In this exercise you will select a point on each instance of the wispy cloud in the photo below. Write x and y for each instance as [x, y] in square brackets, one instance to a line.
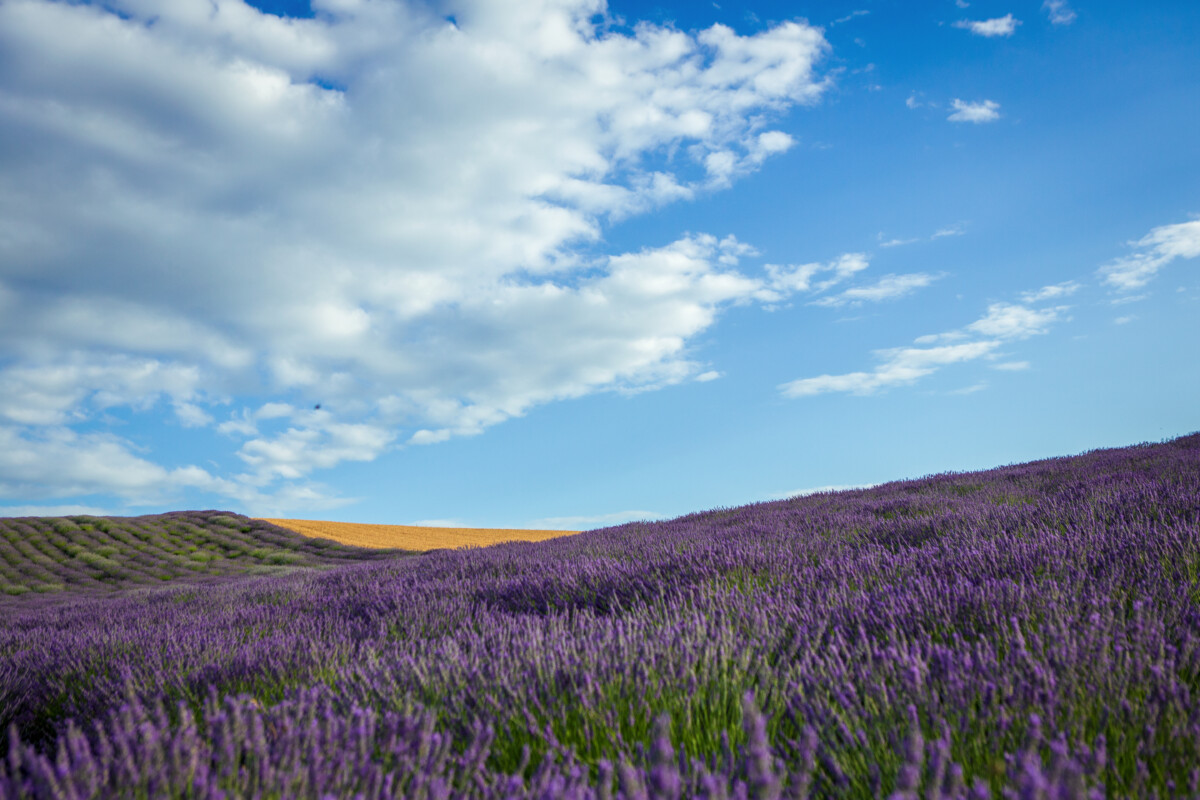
[850, 16]
[889, 287]
[1158, 248]
[901, 366]
[1065, 289]
[983, 111]
[1059, 12]
[1000, 26]
[952, 230]
[816, 276]
[941, 233]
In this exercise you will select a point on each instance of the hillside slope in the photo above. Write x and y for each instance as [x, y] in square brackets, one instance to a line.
[50, 555]
[1029, 631]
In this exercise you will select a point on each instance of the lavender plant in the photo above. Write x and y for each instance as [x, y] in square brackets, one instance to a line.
[1031, 631]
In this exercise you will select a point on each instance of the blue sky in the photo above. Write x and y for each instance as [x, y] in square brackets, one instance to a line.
[564, 264]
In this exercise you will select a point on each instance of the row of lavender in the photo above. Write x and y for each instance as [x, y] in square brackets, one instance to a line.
[50, 555]
[1033, 631]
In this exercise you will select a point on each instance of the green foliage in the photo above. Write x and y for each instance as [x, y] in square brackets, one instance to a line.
[57, 554]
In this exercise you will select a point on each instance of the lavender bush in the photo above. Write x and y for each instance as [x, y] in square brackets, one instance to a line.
[1031, 631]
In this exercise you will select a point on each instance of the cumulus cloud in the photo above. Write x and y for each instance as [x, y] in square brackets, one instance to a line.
[1059, 12]
[1012, 321]
[984, 111]
[57, 461]
[1158, 248]
[902, 366]
[376, 209]
[1000, 26]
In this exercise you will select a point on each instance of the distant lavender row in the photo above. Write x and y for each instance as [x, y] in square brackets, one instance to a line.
[1032, 631]
[48, 555]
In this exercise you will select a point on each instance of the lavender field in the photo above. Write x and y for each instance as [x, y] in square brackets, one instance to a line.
[1030, 631]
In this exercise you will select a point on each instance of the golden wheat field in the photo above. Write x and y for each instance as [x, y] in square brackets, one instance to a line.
[410, 537]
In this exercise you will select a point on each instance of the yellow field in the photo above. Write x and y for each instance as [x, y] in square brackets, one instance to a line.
[410, 537]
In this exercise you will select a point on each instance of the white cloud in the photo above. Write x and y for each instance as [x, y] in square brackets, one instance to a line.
[1065, 289]
[1125, 320]
[984, 111]
[1012, 321]
[1158, 248]
[951, 230]
[1012, 366]
[193, 214]
[1059, 12]
[850, 16]
[191, 415]
[783, 280]
[958, 229]
[319, 444]
[55, 462]
[912, 102]
[55, 393]
[71, 463]
[1000, 26]
[889, 287]
[935, 338]
[711, 375]
[902, 366]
